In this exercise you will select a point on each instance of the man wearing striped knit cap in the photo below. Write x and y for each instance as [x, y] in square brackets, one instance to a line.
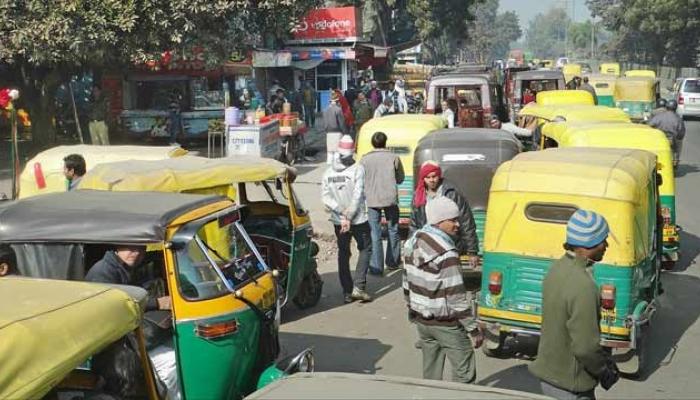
[570, 361]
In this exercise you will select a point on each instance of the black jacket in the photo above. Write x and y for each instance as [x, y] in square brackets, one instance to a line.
[110, 269]
[467, 242]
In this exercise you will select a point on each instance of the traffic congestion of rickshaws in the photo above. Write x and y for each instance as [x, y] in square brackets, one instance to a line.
[228, 243]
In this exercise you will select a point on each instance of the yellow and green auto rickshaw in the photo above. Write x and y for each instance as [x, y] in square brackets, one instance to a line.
[534, 116]
[570, 71]
[645, 73]
[44, 173]
[276, 221]
[403, 132]
[562, 97]
[224, 319]
[629, 136]
[49, 328]
[612, 68]
[636, 96]
[535, 194]
[604, 85]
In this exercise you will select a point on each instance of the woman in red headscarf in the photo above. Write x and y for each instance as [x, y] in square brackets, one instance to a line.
[430, 185]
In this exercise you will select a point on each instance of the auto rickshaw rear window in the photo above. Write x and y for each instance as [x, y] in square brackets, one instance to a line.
[400, 149]
[691, 86]
[602, 85]
[551, 213]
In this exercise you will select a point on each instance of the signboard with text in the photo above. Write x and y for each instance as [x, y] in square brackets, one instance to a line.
[338, 24]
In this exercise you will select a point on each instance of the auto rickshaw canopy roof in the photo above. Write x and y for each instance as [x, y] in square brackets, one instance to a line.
[561, 97]
[635, 89]
[575, 112]
[91, 216]
[182, 174]
[399, 129]
[613, 174]
[641, 72]
[50, 327]
[540, 74]
[51, 163]
[611, 68]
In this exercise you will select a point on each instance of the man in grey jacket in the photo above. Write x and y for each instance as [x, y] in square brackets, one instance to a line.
[334, 124]
[383, 171]
[673, 126]
[342, 192]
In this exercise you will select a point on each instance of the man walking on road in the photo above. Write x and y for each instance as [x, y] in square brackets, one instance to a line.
[437, 298]
[673, 126]
[590, 89]
[342, 192]
[335, 126]
[383, 171]
[570, 361]
[99, 133]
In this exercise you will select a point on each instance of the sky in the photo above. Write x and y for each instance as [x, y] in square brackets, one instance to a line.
[527, 9]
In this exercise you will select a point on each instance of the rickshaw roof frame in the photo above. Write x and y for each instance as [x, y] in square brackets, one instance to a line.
[603, 173]
[93, 216]
[575, 112]
[183, 174]
[399, 126]
[468, 135]
[561, 97]
[56, 318]
[567, 133]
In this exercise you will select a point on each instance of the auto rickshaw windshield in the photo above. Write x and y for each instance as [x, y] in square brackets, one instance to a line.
[219, 258]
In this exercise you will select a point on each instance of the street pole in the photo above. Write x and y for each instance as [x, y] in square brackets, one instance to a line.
[14, 152]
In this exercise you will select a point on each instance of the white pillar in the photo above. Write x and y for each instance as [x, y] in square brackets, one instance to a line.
[344, 74]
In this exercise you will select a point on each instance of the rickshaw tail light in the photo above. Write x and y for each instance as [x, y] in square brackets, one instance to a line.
[215, 330]
[495, 282]
[607, 297]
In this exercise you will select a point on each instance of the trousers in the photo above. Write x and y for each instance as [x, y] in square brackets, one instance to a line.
[439, 342]
[99, 133]
[360, 233]
[393, 249]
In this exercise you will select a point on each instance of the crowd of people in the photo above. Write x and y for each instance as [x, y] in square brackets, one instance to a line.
[358, 193]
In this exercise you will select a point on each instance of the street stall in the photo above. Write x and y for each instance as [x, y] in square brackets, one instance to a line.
[183, 81]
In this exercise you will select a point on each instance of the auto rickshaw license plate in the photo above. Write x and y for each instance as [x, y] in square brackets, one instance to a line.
[669, 231]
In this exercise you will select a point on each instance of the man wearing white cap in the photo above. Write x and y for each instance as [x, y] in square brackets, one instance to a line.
[570, 361]
[342, 192]
[437, 298]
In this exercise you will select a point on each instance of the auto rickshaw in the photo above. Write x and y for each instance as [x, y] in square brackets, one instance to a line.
[468, 158]
[534, 116]
[403, 132]
[535, 194]
[44, 173]
[225, 313]
[561, 97]
[528, 84]
[610, 69]
[345, 385]
[547, 63]
[570, 71]
[277, 223]
[604, 86]
[636, 96]
[630, 136]
[645, 73]
[53, 326]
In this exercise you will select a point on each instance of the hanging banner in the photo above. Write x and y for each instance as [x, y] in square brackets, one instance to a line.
[338, 24]
[271, 59]
[341, 53]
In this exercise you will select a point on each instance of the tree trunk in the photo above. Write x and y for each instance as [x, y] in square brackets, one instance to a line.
[38, 91]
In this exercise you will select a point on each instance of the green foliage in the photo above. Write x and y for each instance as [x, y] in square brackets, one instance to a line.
[491, 33]
[441, 25]
[546, 34]
[651, 31]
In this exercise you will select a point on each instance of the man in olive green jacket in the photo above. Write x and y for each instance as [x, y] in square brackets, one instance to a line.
[570, 360]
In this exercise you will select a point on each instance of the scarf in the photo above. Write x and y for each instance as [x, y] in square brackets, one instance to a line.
[426, 169]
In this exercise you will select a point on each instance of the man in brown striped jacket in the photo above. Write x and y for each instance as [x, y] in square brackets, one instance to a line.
[436, 296]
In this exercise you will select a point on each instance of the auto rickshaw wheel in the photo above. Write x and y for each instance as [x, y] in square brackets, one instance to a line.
[494, 349]
[632, 365]
[309, 290]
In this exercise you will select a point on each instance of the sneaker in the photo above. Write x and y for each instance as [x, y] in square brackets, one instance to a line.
[360, 295]
[347, 298]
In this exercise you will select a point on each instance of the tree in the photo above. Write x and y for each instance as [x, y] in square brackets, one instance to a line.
[651, 31]
[44, 43]
[491, 33]
[546, 34]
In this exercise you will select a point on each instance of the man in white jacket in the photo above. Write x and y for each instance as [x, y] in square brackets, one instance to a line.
[342, 192]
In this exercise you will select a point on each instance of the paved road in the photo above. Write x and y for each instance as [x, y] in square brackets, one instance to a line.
[376, 337]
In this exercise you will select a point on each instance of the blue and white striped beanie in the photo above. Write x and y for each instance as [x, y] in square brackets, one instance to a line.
[586, 229]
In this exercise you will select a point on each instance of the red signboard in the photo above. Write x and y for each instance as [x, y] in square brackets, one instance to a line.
[329, 25]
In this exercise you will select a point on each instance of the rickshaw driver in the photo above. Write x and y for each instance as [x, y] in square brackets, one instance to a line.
[673, 126]
[431, 186]
[115, 267]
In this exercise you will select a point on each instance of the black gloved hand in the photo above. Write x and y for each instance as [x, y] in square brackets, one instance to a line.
[610, 375]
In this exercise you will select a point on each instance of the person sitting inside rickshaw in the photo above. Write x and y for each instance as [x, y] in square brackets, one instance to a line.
[530, 94]
[8, 261]
[432, 185]
[448, 114]
[118, 267]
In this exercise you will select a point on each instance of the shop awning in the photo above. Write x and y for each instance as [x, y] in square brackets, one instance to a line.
[271, 59]
[306, 64]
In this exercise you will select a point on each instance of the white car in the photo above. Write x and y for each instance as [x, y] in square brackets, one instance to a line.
[686, 91]
[562, 61]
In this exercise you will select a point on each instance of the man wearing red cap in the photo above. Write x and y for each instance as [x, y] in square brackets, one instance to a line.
[431, 186]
